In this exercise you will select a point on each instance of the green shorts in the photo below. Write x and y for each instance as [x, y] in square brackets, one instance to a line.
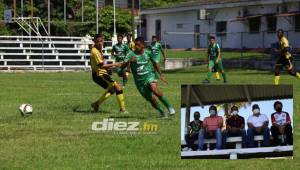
[143, 87]
[218, 66]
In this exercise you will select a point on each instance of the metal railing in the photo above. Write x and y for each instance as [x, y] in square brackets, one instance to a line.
[46, 53]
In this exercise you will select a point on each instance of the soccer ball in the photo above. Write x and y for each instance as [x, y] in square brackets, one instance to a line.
[25, 109]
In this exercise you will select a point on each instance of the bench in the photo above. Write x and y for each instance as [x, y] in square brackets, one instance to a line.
[237, 140]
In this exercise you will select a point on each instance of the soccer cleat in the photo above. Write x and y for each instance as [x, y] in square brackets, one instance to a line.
[172, 111]
[206, 81]
[95, 107]
[124, 112]
[163, 116]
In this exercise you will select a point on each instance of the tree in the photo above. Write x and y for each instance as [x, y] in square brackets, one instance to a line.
[160, 3]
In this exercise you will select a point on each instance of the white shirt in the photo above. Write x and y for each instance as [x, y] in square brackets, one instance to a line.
[257, 121]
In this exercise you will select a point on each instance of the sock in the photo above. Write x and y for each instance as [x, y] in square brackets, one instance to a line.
[224, 76]
[209, 74]
[165, 101]
[125, 80]
[158, 108]
[157, 75]
[217, 76]
[298, 75]
[276, 80]
[103, 97]
[121, 100]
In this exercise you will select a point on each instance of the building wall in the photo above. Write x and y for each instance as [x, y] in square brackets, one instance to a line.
[184, 22]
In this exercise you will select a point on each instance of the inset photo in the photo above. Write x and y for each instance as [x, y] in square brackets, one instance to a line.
[236, 121]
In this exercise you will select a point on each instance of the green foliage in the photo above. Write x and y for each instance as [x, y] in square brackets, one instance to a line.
[74, 25]
[159, 3]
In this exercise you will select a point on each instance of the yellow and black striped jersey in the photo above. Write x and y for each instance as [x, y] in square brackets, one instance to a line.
[284, 43]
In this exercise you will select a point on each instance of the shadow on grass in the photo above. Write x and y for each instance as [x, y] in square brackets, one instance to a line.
[77, 109]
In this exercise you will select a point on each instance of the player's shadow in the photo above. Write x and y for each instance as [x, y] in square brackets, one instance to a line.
[77, 109]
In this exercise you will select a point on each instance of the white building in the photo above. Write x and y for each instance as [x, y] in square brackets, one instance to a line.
[236, 23]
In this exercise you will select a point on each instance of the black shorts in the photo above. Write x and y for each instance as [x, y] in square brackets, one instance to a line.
[283, 62]
[105, 81]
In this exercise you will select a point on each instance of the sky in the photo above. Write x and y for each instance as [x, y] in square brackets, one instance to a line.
[266, 107]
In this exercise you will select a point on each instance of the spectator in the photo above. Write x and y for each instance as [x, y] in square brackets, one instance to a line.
[281, 126]
[211, 129]
[257, 125]
[193, 131]
[235, 126]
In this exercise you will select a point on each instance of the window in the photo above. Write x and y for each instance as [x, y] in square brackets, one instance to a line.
[272, 23]
[297, 23]
[254, 25]
[221, 27]
[108, 2]
[179, 26]
[158, 28]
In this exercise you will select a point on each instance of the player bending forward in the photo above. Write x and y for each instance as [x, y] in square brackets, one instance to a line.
[140, 61]
[102, 78]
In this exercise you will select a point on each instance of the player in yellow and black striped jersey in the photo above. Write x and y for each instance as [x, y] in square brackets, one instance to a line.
[284, 57]
[101, 76]
[129, 42]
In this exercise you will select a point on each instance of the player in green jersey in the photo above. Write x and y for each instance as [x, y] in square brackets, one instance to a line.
[214, 59]
[141, 61]
[156, 50]
[119, 51]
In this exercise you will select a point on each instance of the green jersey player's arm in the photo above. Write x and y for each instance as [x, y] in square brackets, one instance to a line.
[157, 68]
[219, 53]
[129, 58]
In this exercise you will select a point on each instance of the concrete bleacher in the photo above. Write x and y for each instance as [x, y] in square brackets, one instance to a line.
[47, 53]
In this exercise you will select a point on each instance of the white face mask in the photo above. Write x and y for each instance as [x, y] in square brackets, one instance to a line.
[212, 112]
[235, 112]
[256, 111]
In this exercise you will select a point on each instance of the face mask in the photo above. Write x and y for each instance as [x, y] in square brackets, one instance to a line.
[278, 109]
[197, 117]
[235, 112]
[256, 111]
[212, 112]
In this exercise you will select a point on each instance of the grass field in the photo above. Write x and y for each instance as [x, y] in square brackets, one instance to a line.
[225, 55]
[58, 137]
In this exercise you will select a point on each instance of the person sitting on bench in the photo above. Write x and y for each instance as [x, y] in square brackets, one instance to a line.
[193, 131]
[235, 126]
[258, 125]
[211, 129]
[281, 126]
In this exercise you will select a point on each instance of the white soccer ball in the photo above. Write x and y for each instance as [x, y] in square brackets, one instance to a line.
[25, 109]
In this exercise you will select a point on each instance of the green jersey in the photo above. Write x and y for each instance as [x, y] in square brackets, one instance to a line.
[141, 69]
[156, 49]
[213, 51]
[120, 52]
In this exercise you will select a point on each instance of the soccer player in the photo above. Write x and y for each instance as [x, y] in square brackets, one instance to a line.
[130, 43]
[119, 51]
[284, 58]
[214, 59]
[102, 78]
[156, 49]
[140, 61]
[281, 126]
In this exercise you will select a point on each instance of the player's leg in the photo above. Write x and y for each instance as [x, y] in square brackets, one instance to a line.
[278, 66]
[221, 68]
[119, 92]
[211, 64]
[109, 91]
[291, 69]
[216, 71]
[154, 88]
[148, 95]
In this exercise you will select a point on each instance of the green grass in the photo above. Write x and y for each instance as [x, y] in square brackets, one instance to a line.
[56, 137]
[225, 55]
